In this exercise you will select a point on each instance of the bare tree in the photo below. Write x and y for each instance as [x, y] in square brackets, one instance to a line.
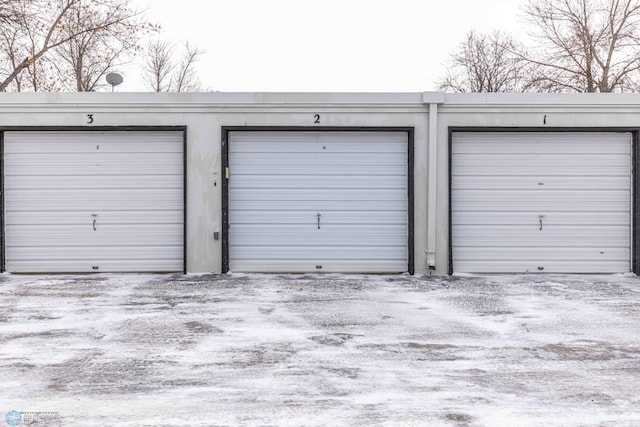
[95, 50]
[158, 66]
[163, 74]
[8, 13]
[88, 34]
[18, 34]
[485, 63]
[10, 40]
[585, 45]
[185, 79]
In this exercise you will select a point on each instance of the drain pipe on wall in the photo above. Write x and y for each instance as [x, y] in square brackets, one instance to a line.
[433, 99]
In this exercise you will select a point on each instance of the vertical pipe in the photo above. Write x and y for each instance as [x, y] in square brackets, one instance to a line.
[432, 99]
[432, 187]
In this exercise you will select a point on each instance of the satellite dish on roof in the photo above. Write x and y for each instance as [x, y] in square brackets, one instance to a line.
[114, 79]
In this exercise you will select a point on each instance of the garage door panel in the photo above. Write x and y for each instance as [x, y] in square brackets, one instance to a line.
[312, 147]
[171, 253]
[295, 195]
[327, 235]
[97, 200]
[541, 208]
[549, 236]
[77, 200]
[564, 266]
[543, 161]
[318, 181]
[398, 217]
[95, 159]
[536, 143]
[104, 235]
[123, 182]
[537, 254]
[315, 205]
[504, 185]
[90, 142]
[81, 171]
[145, 160]
[326, 159]
[533, 170]
[555, 200]
[314, 252]
[280, 181]
[305, 266]
[487, 218]
[542, 183]
[55, 218]
[318, 170]
[296, 142]
[91, 146]
[138, 265]
[517, 147]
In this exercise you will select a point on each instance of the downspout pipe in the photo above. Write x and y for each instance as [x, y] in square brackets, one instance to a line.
[433, 100]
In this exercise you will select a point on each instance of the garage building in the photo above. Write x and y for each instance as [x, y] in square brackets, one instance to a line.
[424, 183]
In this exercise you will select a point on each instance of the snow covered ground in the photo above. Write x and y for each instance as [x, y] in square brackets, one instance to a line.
[331, 350]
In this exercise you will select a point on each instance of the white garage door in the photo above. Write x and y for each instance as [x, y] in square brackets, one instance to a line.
[93, 201]
[541, 202]
[318, 201]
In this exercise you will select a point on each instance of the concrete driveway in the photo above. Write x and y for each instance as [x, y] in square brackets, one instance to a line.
[331, 350]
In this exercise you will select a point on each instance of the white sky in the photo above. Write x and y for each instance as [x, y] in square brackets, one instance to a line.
[323, 45]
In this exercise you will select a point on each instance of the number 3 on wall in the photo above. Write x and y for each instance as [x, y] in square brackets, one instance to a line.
[89, 118]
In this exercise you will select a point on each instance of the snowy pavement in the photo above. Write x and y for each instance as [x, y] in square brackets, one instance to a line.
[273, 350]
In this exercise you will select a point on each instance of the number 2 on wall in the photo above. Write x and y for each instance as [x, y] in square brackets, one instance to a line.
[317, 119]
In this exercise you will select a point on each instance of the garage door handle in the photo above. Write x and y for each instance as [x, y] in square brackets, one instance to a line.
[318, 220]
[94, 225]
[540, 218]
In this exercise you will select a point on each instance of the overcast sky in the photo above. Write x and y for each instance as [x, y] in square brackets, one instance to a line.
[323, 45]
